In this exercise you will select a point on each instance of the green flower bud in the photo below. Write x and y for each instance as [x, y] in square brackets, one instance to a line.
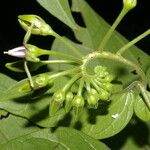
[54, 107]
[57, 102]
[93, 91]
[78, 101]
[103, 95]
[40, 27]
[68, 101]
[129, 4]
[41, 81]
[59, 96]
[92, 100]
[99, 69]
[107, 86]
[33, 52]
[109, 78]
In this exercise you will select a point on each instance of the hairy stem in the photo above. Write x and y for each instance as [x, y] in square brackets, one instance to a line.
[61, 55]
[115, 57]
[58, 62]
[66, 72]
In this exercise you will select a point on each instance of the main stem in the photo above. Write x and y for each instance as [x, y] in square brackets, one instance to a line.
[66, 72]
[115, 57]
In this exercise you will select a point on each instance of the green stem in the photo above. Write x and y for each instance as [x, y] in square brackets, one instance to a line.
[145, 95]
[88, 87]
[70, 83]
[127, 46]
[67, 44]
[61, 55]
[28, 34]
[58, 62]
[115, 57]
[112, 28]
[28, 74]
[66, 72]
[95, 85]
[81, 85]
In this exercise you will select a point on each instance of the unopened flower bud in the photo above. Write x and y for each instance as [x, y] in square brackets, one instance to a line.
[17, 52]
[40, 27]
[78, 101]
[32, 53]
[129, 4]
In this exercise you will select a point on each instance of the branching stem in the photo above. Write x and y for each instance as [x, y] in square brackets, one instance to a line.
[115, 57]
[66, 72]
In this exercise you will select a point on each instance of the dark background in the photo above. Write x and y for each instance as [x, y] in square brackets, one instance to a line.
[11, 34]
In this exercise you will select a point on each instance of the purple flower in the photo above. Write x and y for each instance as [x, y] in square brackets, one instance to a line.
[19, 52]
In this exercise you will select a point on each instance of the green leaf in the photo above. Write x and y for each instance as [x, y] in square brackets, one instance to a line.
[141, 109]
[16, 135]
[5, 82]
[31, 105]
[108, 119]
[60, 9]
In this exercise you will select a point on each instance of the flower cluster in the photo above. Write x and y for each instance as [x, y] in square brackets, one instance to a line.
[90, 88]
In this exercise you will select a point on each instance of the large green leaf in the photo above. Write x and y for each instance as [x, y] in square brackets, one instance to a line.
[5, 82]
[108, 119]
[16, 135]
[60, 9]
[29, 105]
